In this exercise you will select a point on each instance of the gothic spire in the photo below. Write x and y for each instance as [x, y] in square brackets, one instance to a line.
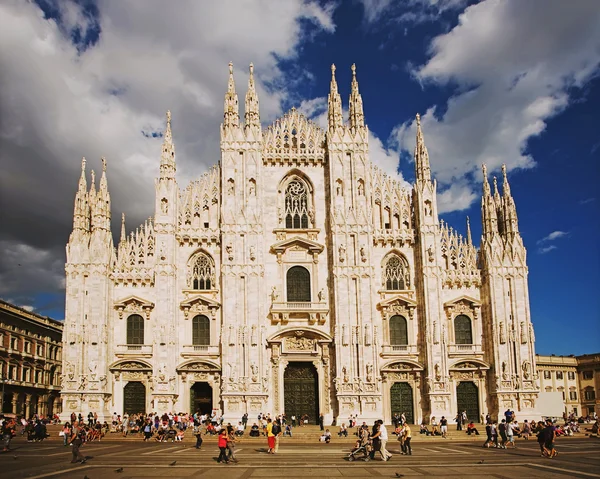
[357, 117]
[100, 201]
[252, 111]
[422, 168]
[486, 184]
[81, 212]
[123, 233]
[489, 217]
[334, 103]
[167, 159]
[508, 204]
[232, 112]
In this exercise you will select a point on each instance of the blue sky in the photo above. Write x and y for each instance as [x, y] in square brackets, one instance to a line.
[495, 81]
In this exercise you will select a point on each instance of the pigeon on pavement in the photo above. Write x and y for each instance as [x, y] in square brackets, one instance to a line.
[173, 463]
[119, 470]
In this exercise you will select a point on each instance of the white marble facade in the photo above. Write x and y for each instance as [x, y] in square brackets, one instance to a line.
[295, 248]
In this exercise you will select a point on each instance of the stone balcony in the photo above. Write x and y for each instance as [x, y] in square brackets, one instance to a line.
[313, 313]
[398, 350]
[197, 350]
[133, 350]
[464, 349]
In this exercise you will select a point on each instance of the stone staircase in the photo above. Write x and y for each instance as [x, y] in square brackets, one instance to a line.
[304, 434]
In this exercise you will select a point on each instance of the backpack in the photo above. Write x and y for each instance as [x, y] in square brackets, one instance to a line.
[275, 429]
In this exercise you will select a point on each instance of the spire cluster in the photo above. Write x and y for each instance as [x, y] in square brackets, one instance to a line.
[498, 211]
[357, 117]
[252, 113]
[231, 117]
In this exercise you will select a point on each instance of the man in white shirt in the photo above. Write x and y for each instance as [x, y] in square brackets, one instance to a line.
[383, 436]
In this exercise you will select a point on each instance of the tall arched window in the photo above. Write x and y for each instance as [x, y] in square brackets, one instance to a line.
[298, 284]
[201, 272]
[296, 205]
[462, 330]
[200, 331]
[398, 331]
[396, 274]
[135, 329]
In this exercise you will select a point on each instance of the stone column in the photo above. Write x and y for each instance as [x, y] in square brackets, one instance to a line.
[14, 403]
[27, 406]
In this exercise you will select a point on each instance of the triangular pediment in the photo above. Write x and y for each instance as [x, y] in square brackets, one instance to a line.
[460, 299]
[199, 299]
[399, 299]
[144, 303]
[297, 242]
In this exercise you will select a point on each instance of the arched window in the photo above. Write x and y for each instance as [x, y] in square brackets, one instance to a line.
[398, 331]
[462, 330]
[200, 331]
[296, 205]
[298, 284]
[135, 329]
[201, 272]
[396, 274]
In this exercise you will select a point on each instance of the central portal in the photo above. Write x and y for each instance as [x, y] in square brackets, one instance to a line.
[300, 391]
[201, 398]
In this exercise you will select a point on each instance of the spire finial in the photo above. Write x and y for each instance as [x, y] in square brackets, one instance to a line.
[103, 160]
[486, 185]
[252, 114]
[123, 234]
[167, 160]
[93, 175]
[231, 115]
[422, 167]
[496, 187]
[334, 103]
[83, 164]
[356, 117]
[470, 242]
[505, 184]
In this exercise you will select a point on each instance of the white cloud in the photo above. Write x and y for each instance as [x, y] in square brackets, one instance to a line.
[408, 11]
[513, 63]
[553, 236]
[60, 103]
[547, 249]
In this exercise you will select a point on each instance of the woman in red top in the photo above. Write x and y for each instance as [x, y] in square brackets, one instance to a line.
[223, 446]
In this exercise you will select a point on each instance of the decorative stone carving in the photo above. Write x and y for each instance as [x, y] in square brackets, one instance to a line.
[231, 336]
[438, 375]
[523, 333]
[344, 335]
[369, 369]
[504, 371]
[342, 253]
[526, 370]
[274, 294]
[345, 374]
[367, 335]
[229, 251]
[253, 336]
[299, 343]
[252, 253]
[363, 254]
[321, 296]
[502, 334]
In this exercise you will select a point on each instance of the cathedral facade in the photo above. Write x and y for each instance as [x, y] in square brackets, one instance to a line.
[296, 277]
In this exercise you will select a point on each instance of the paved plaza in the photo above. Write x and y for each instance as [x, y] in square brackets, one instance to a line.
[578, 457]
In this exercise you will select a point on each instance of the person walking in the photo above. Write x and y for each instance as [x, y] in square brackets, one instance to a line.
[444, 426]
[277, 431]
[458, 420]
[231, 440]
[270, 436]
[407, 435]
[76, 443]
[222, 443]
[8, 429]
[321, 421]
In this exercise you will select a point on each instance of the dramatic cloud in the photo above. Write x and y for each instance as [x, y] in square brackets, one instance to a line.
[64, 97]
[512, 64]
[408, 12]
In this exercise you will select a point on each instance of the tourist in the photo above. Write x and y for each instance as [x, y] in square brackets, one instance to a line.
[240, 429]
[383, 437]
[255, 430]
[444, 426]
[293, 420]
[270, 436]
[406, 434]
[325, 437]
[222, 443]
[343, 431]
[548, 436]
[288, 430]
[277, 431]
[8, 430]
[231, 440]
[471, 429]
[321, 421]
[66, 434]
[526, 431]
[376, 439]
[488, 432]
[76, 442]
[458, 420]
[502, 432]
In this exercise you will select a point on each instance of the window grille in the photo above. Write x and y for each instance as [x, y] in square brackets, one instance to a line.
[398, 331]
[462, 330]
[200, 331]
[296, 206]
[135, 329]
[298, 284]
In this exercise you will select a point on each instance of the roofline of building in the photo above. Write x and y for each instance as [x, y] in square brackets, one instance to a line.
[34, 317]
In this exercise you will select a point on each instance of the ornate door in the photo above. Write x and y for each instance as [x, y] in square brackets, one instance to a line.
[134, 398]
[402, 401]
[300, 391]
[201, 398]
[467, 398]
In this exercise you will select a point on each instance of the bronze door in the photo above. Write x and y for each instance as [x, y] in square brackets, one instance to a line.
[402, 401]
[134, 401]
[201, 398]
[467, 398]
[300, 391]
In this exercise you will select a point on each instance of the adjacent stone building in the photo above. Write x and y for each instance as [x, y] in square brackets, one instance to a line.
[295, 276]
[30, 362]
[589, 383]
[559, 374]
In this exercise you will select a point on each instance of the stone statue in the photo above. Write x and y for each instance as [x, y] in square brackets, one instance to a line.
[363, 254]
[523, 333]
[344, 335]
[502, 333]
[252, 253]
[274, 294]
[342, 252]
[70, 370]
[229, 250]
[345, 374]
[367, 335]
[504, 372]
[232, 371]
[526, 369]
[369, 373]
[93, 366]
[253, 339]
[321, 296]
[231, 336]
[436, 368]
[254, 370]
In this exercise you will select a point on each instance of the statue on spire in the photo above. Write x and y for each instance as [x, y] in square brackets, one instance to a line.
[334, 104]
[422, 168]
[357, 117]
[231, 109]
[252, 114]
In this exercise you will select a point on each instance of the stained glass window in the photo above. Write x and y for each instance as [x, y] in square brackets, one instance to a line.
[135, 329]
[396, 274]
[201, 273]
[200, 331]
[296, 205]
[298, 284]
[398, 331]
[462, 330]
